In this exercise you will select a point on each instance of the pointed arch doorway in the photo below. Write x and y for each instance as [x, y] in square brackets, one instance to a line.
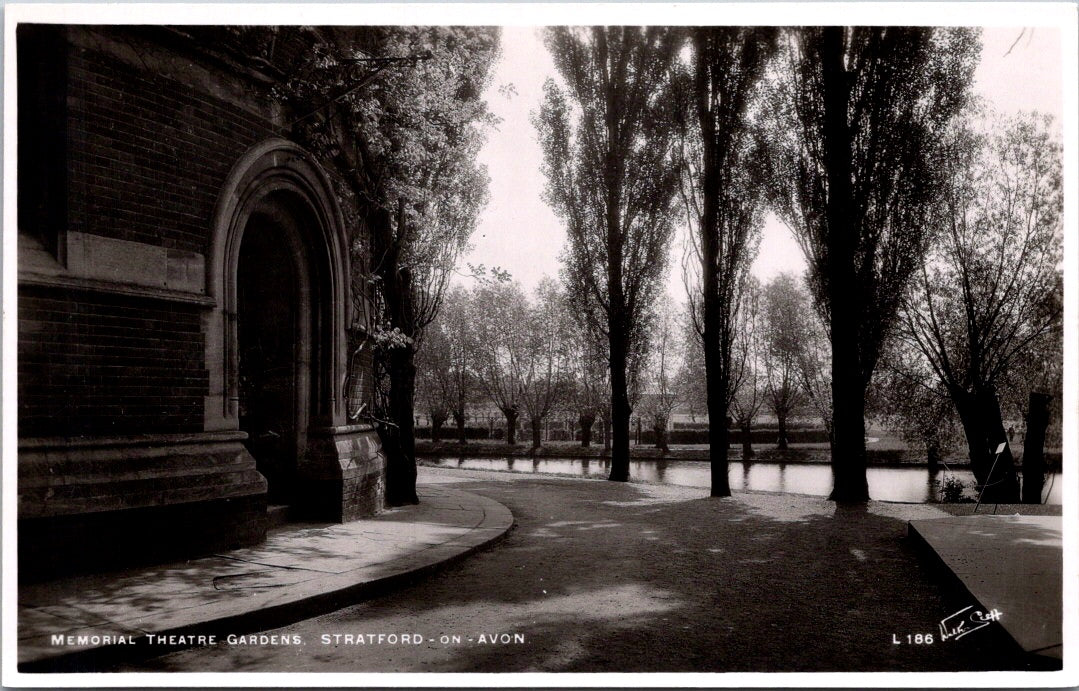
[277, 339]
[277, 310]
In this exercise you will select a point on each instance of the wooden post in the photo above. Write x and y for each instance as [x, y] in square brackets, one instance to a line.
[1034, 447]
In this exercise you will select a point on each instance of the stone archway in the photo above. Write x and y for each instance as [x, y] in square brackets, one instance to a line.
[331, 469]
[277, 179]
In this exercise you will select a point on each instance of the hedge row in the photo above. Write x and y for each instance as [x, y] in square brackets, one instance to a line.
[450, 432]
[757, 436]
[678, 436]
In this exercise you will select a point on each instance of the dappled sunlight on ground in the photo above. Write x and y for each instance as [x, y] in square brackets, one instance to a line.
[609, 577]
[784, 507]
[905, 512]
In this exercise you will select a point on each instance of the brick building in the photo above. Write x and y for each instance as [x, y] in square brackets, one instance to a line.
[183, 300]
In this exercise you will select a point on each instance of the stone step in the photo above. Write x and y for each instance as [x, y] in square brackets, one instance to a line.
[277, 515]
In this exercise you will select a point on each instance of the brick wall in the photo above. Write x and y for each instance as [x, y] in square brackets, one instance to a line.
[104, 365]
[146, 159]
[148, 154]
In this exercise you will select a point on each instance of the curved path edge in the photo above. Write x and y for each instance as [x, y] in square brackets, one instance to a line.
[446, 526]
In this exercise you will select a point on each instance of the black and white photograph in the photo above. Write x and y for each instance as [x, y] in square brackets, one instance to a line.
[540, 345]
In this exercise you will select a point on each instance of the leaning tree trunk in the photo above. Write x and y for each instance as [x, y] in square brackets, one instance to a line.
[511, 425]
[979, 414]
[401, 461]
[1002, 482]
[966, 408]
[586, 421]
[459, 420]
[1034, 447]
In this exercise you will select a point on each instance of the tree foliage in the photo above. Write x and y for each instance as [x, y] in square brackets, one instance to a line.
[607, 140]
[502, 348]
[396, 113]
[784, 338]
[545, 380]
[446, 362]
[748, 370]
[661, 393]
[986, 309]
[860, 122]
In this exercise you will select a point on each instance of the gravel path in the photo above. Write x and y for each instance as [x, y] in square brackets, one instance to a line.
[606, 577]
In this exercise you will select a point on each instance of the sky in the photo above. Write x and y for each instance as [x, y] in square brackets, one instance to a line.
[1020, 69]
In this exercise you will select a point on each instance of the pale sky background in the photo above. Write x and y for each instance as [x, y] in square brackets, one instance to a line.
[519, 233]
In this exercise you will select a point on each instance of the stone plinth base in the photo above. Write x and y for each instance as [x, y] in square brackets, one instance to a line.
[97, 504]
[343, 477]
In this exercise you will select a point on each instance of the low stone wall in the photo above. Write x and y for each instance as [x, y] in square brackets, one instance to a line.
[90, 504]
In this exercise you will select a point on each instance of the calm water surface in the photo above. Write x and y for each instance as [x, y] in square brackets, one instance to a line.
[915, 484]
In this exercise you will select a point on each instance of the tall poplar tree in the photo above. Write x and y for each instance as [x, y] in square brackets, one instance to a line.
[608, 141]
[725, 203]
[861, 116]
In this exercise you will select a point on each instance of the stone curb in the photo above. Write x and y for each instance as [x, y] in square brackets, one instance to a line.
[290, 603]
[957, 588]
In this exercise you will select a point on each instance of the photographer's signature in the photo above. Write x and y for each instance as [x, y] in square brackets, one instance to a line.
[966, 621]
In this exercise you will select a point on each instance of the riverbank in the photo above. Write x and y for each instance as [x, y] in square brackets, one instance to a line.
[799, 453]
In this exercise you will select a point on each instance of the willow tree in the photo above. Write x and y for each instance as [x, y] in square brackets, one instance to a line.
[861, 117]
[986, 308]
[725, 204]
[396, 114]
[608, 142]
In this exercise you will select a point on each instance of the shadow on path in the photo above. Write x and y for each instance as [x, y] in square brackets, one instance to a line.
[608, 577]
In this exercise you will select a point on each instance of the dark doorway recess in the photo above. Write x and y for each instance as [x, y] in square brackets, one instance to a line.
[273, 319]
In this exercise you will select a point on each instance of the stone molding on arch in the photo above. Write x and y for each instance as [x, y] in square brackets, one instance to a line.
[270, 167]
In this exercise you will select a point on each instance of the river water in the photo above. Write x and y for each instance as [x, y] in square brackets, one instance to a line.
[905, 484]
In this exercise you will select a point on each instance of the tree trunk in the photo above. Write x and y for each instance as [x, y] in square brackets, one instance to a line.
[716, 356]
[437, 419]
[843, 239]
[511, 425]
[620, 409]
[747, 440]
[459, 420]
[586, 422]
[1034, 447]
[983, 427]
[397, 293]
[848, 433]
[781, 443]
[537, 433]
[966, 408]
[718, 443]
[1002, 482]
[660, 430]
[932, 454]
[401, 461]
[607, 433]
